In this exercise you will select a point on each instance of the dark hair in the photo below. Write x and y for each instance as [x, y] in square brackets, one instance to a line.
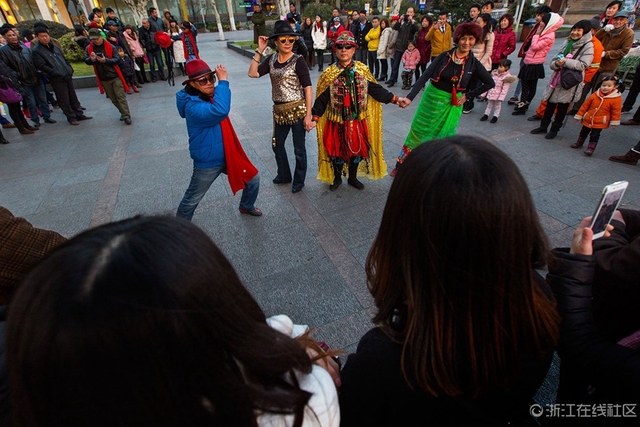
[116, 314]
[386, 22]
[443, 12]
[27, 34]
[185, 24]
[79, 29]
[477, 6]
[109, 10]
[584, 24]
[508, 17]
[488, 24]
[468, 29]
[505, 63]
[615, 2]
[96, 9]
[488, 3]
[464, 313]
[428, 18]
[151, 9]
[543, 10]
[363, 12]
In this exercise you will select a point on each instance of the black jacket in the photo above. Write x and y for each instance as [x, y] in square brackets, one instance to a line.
[51, 61]
[147, 39]
[19, 58]
[611, 369]
[406, 33]
[106, 70]
[120, 41]
[360, 34]
[472, 67]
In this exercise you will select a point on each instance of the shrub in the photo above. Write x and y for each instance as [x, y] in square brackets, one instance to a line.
[70, 48]
[313, 9]
[56, 30]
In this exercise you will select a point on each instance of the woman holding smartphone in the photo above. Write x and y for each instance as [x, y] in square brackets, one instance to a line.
[457, 325]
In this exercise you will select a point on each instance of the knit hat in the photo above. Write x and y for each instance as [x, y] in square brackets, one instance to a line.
[195, 69]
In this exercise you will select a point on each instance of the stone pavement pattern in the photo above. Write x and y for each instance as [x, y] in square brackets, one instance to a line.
[305, 257]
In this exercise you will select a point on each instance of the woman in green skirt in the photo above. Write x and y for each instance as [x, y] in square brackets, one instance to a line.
[450, 73]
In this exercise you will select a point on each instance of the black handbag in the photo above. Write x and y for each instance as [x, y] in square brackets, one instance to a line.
[571, 78]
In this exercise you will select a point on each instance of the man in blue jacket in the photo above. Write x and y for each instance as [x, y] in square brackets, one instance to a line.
[213, 143]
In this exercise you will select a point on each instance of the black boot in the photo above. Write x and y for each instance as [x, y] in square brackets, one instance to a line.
[353, 175]
[184, 73]
[337, 177]
[2, 140]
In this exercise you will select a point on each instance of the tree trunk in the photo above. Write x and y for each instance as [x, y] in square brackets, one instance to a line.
[138, 8]
[232, 19]
[218, 21]
[338, 5]
[282, 8]
[384, 8]
[395, 7]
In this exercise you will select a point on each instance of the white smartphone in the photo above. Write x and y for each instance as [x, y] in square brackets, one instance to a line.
[609, 202]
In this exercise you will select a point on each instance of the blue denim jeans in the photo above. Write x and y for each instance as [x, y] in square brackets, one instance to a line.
[299, 150]
[36, 97]
[201, 180]
[156, 58]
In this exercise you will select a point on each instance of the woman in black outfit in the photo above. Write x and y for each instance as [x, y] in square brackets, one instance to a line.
[465, 326]
[307, 37]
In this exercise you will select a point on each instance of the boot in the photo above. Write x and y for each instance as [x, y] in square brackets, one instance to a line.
[23, 129]
[353, 176]
[181, 65]
[631, 158]
[579, 143]
[2, 140]
[135, 89]
[337, 177]
[383, 78]
[521, 109]
[590, 148]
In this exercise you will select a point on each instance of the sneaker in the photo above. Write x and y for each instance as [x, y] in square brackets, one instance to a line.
[484, 118]
[253, 212]
[493, 120]
[512, 100]
[466, 111]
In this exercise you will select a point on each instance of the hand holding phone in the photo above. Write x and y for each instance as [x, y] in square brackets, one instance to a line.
[609, 202]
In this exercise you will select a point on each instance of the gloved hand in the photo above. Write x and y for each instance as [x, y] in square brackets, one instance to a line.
[608, 27]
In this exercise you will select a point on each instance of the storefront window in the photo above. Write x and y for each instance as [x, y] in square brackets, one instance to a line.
[27, 9]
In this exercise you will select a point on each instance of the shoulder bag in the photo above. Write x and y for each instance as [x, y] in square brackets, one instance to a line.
[571, 78]
[8, 94]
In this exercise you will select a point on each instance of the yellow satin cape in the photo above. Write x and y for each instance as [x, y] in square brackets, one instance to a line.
[375, 167]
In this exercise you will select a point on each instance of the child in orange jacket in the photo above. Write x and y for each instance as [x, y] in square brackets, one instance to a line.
[601, 110]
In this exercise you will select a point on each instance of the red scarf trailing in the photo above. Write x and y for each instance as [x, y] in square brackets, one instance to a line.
[193, 43]
[240, 170]
[109, 51]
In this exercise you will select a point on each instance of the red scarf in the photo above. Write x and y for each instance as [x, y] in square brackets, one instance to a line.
[109, 51]
[193, 43]
[240, 170]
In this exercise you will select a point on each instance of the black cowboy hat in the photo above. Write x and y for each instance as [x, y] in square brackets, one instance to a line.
[283, 28]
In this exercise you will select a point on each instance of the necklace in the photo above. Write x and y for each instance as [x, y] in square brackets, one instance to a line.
[459, 59]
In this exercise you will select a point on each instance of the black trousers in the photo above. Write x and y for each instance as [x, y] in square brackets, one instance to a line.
[67, 98]
[595, 134]
[529, 88]
[420, 68]
[141, 75]
[15, 112]
[320, 58]
[548, 114]
[374, 64]
[634, 90]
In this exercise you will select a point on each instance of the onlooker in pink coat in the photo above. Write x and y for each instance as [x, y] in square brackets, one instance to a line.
[505, 40]
[496, 95]
[410, 60]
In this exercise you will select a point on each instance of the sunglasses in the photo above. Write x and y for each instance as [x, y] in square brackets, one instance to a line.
[211, 78]
[344, 47]
[285, 40]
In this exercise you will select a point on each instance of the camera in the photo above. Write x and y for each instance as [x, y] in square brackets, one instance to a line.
[406, 17]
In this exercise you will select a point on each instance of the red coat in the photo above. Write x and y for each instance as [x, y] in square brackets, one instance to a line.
[503, 45]
[599, 111]
[333, 32]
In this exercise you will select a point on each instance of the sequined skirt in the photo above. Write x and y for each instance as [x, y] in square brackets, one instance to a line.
[289, 112]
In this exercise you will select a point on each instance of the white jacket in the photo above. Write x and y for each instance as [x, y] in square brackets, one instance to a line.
[384, 41]
[319, 37]
[322, 410]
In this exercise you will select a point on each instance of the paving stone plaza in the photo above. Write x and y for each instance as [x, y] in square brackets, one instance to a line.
[305, 257]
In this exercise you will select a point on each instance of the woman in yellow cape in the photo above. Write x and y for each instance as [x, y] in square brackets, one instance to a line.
[348, 113]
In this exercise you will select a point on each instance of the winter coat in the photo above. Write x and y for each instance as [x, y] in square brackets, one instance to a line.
[383, 42]
[391, 44]
[134, 45]
[127, 67]
[502, 81]
[616, 45]
[306, 37]
[373, 39]
[361, 33]
[259, 25]
[19, 58]
[178, 47]
[503, 45]
[406, 32]
[334, 32]
[423, 45]
[580, 62]
[147, 39]
[599, 110]
[51, 61]
[440, 42]
[319, 36]
[598, 49]
[410, 59]
[612, 370]
[542, 44]
[483, 51]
